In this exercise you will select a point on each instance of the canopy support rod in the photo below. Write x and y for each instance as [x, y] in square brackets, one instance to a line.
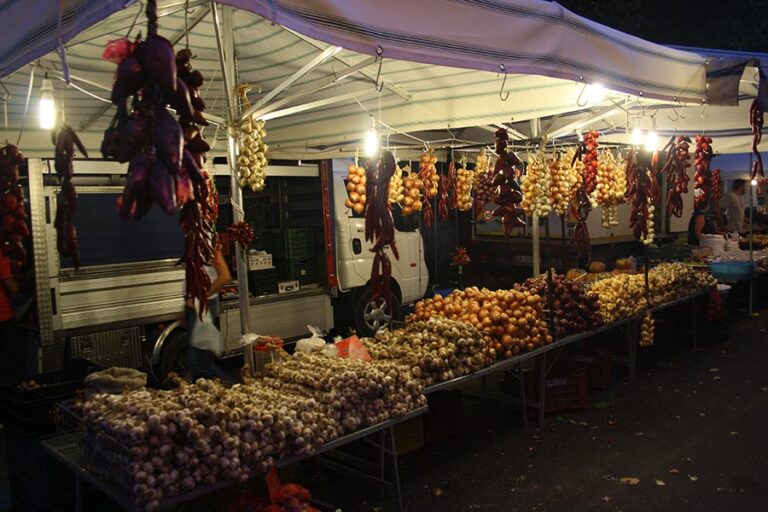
[318, 86]
[193, 22]
[225, 42]
[367, 74]
[314, 104]
[306, 68]
[516, 135]
[570, 127]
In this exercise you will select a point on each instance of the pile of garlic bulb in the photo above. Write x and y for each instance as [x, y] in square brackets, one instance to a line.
[396, 193]
[566, 178]
[647, 331]
[252, 162]
[648, 239]
[611, 188]
[537, 200]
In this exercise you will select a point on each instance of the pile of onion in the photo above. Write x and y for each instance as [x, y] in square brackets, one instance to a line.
[512, 318]
[355, 189]
[575, 309]
[412, 194]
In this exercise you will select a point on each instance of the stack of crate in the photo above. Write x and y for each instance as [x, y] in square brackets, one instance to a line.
[291, 251]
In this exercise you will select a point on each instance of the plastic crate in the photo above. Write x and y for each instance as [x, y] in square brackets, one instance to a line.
[598, 363]
[409, 436]
[301, 269]
[288, 243]
[730, 271]
[30, 410]
[561, 393]
[262, 281]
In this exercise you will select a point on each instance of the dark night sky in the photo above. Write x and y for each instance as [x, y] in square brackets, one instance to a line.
[733, 25]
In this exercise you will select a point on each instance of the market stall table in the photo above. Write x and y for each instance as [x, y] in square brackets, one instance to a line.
[67, 448]
[628, 324]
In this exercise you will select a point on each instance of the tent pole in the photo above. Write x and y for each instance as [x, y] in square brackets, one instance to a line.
[225, 41]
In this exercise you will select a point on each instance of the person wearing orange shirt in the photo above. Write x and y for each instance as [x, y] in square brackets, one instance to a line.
[11, 362]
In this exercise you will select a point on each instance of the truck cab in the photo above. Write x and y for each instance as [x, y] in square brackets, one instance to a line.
[354, 260]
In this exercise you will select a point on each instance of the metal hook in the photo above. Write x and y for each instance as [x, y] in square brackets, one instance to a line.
[677, 115]
[379, 86]
[135, 19]
[503, 69]
[703, 113]
[578, 100]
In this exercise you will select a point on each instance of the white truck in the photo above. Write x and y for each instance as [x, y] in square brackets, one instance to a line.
[122, 306]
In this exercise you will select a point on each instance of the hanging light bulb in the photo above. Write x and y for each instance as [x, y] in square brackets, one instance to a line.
[753, 182]
[637, 136]
[371, 140]
[47, 107]
[594, 93]
[652, 138]
[651, 141]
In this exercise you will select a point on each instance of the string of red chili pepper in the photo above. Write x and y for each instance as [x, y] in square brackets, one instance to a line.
[453, 186]
[379, 225]
[242, 233]
[13, 226]
[443, 203]
[508, 193]
[756, 122]
[678, 161]
[702, 188]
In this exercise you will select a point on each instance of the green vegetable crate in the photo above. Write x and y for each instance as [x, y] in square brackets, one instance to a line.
[301, 269]
[290, 243]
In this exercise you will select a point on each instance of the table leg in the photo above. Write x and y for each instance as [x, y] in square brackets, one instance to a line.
[78, 493]
[631, 334]
[524, 405]
[383, 455]
[542, 387]
[694, 326]
[395, 469]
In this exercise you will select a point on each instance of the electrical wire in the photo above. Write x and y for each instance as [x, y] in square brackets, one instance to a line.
[26, 104]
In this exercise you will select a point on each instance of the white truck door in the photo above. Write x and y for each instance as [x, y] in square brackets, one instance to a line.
[354, 257]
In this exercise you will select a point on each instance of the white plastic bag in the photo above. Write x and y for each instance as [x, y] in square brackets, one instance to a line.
[315, 343]
[205, 335]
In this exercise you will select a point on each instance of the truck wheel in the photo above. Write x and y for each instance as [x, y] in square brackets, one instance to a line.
[370, 316]
[173, 357]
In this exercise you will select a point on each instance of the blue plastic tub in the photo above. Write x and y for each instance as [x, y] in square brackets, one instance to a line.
[732, 270]
[443, 292]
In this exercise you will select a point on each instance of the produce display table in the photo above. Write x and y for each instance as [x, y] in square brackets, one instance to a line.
[628, 325]
[67, 448]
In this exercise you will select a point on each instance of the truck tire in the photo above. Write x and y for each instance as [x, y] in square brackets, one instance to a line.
[371, 316]
[173, 357]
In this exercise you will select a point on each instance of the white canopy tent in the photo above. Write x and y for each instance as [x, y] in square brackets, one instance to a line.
[445, 65]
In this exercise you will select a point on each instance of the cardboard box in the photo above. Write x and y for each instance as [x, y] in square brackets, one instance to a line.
[259, 261]
[287, 286]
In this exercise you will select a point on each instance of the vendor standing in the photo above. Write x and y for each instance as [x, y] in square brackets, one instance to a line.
[202, 363]
[732, 206]
[11, 353]
[701, 223]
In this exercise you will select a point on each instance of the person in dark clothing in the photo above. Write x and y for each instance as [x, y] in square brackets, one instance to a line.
[11, 350]
[701, 223]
